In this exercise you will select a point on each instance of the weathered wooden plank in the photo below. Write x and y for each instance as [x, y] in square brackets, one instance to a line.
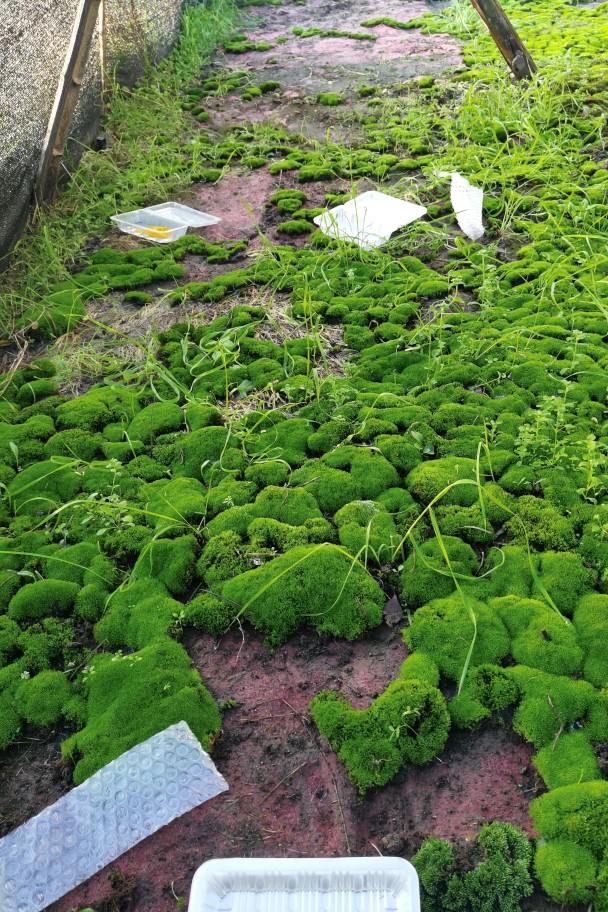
[66, 98]
[506, 38]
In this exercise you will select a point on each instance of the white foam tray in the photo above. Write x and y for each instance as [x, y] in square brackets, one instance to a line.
[368, 219]
[305, 885]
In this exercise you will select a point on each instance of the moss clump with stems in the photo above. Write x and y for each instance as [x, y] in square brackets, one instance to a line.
[408, 723]
[42, 599]
[43, 699]
[444, 629]
[160, 682]
[497, 883]
[315, 586]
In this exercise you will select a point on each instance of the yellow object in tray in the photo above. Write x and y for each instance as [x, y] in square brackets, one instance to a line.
[155, 231]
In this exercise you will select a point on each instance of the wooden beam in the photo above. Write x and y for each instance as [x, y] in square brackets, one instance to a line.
[506, 38]
[66, 98]
[103, 55]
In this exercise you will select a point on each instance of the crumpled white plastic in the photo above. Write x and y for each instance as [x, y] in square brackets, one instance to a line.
[368, 219]
[467, 202]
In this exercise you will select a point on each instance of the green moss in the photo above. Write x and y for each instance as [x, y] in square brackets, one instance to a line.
[75, 443]
[159, 681]
[541, 639]
[295, 228]
[386, 20]
[288, 204]
[42, 599]
[200, 416]
[270, 533]
[402, 455]
[175, 503]
[58, 313]
[140, 298]
[48, 644]
[242, 45]
[209, 613]
[147, 469]
[421, 667]
[331, 488]
[331, 99]
[368, 531]
[71, 563]
[274, 472]
[98, 407]
[288, 194]
[316, 173]
[425, 575]
[443, 629]
[565, 578]
[497, 883]
[436, 866]
[567, 871]
[9, 635]
[207, 454]
[430, 479]
[155, 419]
[408, 723]
[90, 603]
[269, 86]
[567, 761]
[221, 559]
[35, 390]
[591, 625]
[541, 525]
[487, 689]
[370, 471]
[316, 586]
[549, 703]
[171, 561]
[42, 699]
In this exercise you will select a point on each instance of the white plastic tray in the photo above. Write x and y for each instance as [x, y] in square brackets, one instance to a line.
[164, 222]
[369, 219]
[305, 885]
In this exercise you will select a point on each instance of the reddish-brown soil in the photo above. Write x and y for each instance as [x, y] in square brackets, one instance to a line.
[289, 794]
[338, 64]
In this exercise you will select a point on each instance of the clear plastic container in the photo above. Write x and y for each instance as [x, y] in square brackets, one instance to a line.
[164, 222]
[305, 885]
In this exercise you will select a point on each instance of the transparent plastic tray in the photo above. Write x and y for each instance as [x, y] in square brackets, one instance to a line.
[368, 219]
[305, 885]
[164, 222]
[193, 218]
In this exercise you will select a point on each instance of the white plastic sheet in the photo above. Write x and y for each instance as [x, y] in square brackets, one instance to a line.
[368, 219]
[467, 202]
[129, 799]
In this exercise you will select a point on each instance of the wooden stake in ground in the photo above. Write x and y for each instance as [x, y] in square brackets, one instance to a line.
[506, 38]
[66, 98]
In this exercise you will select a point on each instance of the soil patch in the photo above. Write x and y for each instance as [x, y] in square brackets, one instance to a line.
[338, 64]
[289, 794]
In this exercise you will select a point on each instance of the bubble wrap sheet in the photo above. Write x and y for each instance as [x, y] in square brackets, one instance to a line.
[129, 799]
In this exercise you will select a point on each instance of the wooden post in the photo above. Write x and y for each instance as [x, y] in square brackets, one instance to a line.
[506, 38]
[103, 55]
[66, 98]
